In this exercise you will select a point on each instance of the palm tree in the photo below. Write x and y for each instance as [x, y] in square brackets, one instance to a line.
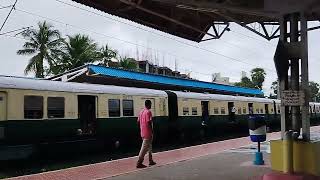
[258, 76]
[128, 63]
[43, 43]
[107, 55]
[78, 50]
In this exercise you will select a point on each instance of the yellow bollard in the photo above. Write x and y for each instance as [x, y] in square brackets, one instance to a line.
[287, 152]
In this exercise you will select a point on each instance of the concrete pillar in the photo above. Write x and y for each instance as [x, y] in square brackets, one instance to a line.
[305, 78]
[291, 53]
[283, 80]
[294, 77]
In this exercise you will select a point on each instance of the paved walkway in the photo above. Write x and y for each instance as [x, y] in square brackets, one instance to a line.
[221, 166]
[195, 155]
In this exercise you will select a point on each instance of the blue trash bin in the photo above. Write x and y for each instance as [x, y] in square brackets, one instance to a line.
[257, 128]
[258, 133]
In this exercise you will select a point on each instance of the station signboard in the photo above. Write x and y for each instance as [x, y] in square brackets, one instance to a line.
[292, 98]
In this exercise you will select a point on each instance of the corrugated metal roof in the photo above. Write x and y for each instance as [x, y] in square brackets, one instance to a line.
[113, 72]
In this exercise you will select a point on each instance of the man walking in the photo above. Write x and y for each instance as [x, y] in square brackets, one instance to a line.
[233, 114]
[146, 131]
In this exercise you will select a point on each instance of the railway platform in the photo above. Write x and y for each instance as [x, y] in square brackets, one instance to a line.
[229, 159]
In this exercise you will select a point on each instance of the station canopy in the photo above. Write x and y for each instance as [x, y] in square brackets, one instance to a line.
[192, 19]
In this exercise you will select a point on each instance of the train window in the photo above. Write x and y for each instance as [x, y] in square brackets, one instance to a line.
[185, 111]
[244, 110]
[261, 111]
[55, 107]
[216, 110]
[114, 107]
[239, 110]
[223, 110]
[127, 107]
[194, 111]
[1, 98]
[33, 107]
[257, 111]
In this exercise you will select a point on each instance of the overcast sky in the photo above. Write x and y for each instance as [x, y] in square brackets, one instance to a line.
[238, 44]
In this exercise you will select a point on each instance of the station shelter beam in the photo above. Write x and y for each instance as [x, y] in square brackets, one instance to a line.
[294, 54]
[291, 54]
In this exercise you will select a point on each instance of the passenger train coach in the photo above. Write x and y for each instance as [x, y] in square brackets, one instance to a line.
[57, 117]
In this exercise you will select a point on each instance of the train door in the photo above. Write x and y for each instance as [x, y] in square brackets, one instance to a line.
[266, 108]
[250, 107]
[172, 106]
[173, 130]
[87, 113]
[3, 111]
[232, 112]
[274, 108]
[205, 112]
[3, 106]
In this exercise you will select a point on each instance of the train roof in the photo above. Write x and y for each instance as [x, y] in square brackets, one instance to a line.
[193, 95]
[10, 82]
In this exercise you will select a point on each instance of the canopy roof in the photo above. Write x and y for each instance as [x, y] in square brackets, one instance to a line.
[191, 19]
[105, 75]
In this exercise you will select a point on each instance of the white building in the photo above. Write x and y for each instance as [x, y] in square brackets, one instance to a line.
[217, 78]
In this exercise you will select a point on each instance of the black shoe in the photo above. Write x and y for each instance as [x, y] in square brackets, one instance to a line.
[152, 163]
[141, 166]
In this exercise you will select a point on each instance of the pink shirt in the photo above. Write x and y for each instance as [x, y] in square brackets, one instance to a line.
[145, 116]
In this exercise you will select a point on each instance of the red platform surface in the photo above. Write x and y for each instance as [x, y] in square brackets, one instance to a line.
[127, 165]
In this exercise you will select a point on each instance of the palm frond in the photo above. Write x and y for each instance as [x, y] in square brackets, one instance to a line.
[30, 45]
[32, 65]
[26, 51]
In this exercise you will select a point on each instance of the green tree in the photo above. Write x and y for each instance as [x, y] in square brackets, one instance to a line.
[245, 82]
[314, 91]
[44, 44]
[257, 77]
[107, 54]
[128, 63]
[78, 51]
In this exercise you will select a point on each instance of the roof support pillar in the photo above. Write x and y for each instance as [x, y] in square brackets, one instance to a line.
[291, 53]
[294, 76]
[305, 78]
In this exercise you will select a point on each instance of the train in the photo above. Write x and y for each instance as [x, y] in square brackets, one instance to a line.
[43, 115]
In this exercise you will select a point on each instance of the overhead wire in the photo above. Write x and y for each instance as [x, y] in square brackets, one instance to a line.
[113, 19]
[185, 71]
[126, 41]
[153, 32]
[20, 29]
[6, 19]
[144, 29]
[130, 24]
